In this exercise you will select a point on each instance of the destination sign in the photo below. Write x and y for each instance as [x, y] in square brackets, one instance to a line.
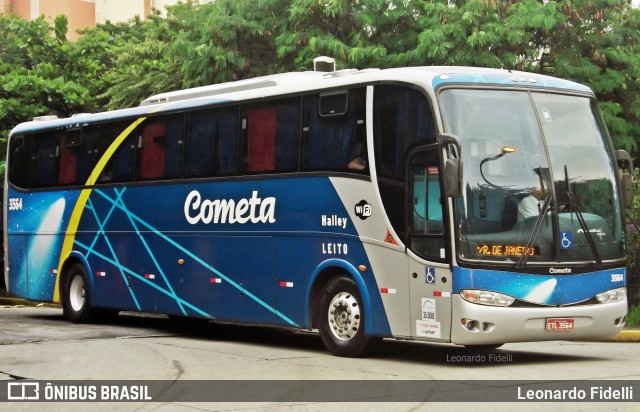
[506, 250]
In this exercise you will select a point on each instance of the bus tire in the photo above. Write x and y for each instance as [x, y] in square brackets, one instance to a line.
[76, 300]
[342, 318]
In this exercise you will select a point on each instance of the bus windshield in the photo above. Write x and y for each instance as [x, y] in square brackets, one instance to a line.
[539, 180]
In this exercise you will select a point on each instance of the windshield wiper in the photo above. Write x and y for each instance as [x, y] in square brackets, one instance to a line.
[534, 233]
[574, 207]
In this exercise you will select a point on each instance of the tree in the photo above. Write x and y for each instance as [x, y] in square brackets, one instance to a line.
[41, 73]
[194, 45]
[134, 60]
[594, 42]
[224, 40]
[356, 33]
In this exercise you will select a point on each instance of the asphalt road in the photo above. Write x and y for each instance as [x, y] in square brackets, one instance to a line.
[38, 343]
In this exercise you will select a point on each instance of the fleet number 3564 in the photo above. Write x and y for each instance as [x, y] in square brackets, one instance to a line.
[15, 203]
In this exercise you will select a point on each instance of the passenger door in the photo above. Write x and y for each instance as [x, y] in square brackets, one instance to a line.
[429, 274]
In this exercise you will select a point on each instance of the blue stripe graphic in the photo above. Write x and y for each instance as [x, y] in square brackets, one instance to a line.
[118, 203]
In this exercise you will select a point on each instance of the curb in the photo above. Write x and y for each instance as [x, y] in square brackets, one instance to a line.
[9, 302]
[627, 335]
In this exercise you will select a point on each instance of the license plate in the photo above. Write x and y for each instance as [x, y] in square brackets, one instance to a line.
[558, 324]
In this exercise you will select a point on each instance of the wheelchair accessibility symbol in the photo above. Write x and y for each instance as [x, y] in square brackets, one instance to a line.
[566, 240]
[430, 276]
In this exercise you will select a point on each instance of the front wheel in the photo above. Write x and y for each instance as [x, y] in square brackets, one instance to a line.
[76, 296]
[342, 319]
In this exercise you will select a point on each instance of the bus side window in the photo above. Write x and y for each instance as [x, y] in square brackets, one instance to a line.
[402, 120]
[44, 159]
[427, 201]
[226, 150]
[120, 167]
[85, 154]
[211, 143]
[261, 140]
[160, 146]
[68, 159]
[200, 144]
[173, 147]
[425, 217]
[334, 132]
[19, 161]
[272, 136]
[152, 146]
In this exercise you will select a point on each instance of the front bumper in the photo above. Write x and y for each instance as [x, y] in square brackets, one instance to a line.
[494, 325]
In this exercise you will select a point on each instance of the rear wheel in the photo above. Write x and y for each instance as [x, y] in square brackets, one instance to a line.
[342, 319]
[76, 298]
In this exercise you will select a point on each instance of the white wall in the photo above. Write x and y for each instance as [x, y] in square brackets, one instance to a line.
[161, 4]
[118, 10]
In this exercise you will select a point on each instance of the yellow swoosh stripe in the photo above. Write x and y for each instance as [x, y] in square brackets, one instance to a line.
[78, 209]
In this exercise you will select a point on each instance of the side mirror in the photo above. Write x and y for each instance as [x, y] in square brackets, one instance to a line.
[453, 177]
[453, 170]
[626, 177]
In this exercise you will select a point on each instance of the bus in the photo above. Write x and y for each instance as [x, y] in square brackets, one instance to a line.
[364, 204]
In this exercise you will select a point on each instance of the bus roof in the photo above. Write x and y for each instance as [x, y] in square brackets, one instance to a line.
[430, 77]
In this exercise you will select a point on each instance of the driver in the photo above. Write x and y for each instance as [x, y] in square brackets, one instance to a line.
[530, 205]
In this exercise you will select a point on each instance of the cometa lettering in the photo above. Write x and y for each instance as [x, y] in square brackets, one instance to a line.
[254, 209]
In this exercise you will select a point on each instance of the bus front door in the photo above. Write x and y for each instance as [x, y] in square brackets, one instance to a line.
[430, 280]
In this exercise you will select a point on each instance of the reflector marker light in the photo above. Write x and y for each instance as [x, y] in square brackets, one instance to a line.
[215, 280]
[286, 284]
[388, 291]
[101, 274]
[149, 276]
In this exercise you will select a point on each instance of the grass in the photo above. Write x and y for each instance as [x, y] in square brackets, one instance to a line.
[633, 317]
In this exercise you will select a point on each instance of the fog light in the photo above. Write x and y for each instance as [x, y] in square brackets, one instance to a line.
[610, 296]
[484, 297]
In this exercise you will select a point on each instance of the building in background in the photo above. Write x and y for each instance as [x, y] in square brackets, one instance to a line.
[83, 13]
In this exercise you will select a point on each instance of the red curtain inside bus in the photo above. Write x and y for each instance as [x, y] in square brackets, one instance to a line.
[261, 145]
[153, 151]
[68, 164]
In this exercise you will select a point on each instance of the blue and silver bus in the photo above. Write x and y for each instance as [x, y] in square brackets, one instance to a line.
[443, 204]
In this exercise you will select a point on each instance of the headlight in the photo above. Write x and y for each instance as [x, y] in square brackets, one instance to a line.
[614, 295]
[484, 297]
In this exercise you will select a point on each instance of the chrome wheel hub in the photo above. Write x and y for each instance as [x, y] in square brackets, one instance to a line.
[344, 316]
[77, 293]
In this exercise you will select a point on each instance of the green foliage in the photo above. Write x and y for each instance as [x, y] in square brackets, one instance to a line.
[41, 73]
[134, 61]
[117, 65]
[223, 40]
[632, 242]
[357, 33]
[633, 317]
